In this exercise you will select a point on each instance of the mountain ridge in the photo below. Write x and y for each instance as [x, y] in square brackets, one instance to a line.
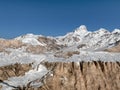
[79, 33]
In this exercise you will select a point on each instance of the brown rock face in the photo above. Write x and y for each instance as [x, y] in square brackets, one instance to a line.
[4, 44]
[46, 40]
[36, 49]
[114, 49]
[13, 70]
[94, 75]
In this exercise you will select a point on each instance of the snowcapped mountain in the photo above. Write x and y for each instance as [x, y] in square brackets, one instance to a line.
[96, 39]
[24, 58]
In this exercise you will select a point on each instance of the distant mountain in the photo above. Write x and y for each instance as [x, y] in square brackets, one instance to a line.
[69, 62]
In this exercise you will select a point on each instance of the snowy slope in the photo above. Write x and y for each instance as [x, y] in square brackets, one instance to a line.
[30, 39]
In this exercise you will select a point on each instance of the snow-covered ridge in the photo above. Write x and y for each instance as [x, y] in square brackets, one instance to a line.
[94, 39]
[81, 35]
[30, 39]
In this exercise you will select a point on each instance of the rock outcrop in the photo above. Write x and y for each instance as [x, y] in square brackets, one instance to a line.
[95, 75]
[11, 44]
[13, 70]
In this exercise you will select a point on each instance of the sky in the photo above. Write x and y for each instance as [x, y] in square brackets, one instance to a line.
[56, 17]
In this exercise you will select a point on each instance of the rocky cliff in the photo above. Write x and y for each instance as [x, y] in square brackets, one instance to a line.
[95, 75]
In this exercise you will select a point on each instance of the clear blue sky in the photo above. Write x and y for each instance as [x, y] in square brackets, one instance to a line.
[56, 17]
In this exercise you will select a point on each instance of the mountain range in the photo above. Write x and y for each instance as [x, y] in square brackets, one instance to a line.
[37, 62]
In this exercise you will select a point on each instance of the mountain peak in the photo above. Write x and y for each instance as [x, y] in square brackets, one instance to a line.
[102, 31]
[116, 31]
[83, 27]
[81, 30]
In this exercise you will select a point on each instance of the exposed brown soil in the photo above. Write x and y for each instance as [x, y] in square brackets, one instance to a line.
[37, 49]
[10, 44]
